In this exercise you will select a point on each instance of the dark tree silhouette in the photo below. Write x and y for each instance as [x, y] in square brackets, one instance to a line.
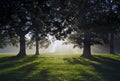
[40, 18]
[7, 8]
[18, 21]
[89, 16]
[61, 19]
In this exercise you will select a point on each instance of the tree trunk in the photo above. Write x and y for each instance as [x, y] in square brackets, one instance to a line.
[112, 43]
[22, 51]
[87, 45]
[37, 45]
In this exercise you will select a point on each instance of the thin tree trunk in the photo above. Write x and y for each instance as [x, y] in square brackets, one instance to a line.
[22, 51]
[37, 48]
[112, 43]
[37, 45]
[87, 45]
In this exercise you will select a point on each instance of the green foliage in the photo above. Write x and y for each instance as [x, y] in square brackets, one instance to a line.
[102, 67]
[6, 39]
[19, 18]
[58, 18]
[39, 30]
[91, 19]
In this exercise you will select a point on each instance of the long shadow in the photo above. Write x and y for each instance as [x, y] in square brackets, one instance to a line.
[42, 75]
[13, 61]
[108, 68]
[8, 58]
[17, 69]
[19, 74]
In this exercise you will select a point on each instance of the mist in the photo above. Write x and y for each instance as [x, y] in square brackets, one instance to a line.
[57, 47]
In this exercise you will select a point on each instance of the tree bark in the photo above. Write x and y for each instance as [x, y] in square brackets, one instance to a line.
[22, 51]
[87, 45]
[112, 43]
[37, 45]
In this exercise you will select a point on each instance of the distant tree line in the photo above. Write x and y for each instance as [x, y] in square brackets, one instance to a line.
[81, 22]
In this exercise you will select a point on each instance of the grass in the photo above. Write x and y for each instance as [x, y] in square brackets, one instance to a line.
[104, 67]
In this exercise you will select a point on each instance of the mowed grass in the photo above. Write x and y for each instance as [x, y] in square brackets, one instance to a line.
[103, 67]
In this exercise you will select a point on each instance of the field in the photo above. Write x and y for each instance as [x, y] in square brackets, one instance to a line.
[103, 67]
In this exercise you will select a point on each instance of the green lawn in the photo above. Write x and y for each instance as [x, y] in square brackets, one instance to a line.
[104, 67]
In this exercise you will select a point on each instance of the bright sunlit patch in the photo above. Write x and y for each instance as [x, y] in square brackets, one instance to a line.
[54, 46]
[27, 36]
[57, 47]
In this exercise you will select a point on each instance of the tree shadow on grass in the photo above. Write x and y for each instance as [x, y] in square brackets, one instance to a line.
[106, 67]
[15, 58]
[13, 61]
[41, 75]
[18, 69]
[18, 74]
[8, 58]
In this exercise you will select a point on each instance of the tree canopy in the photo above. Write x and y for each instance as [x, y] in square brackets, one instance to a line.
[82, 21]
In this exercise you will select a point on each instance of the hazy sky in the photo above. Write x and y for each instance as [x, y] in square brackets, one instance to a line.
[56, 47]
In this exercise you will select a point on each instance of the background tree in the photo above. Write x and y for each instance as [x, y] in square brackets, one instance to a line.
[20, 20]
[99, 18]
[89, 16]
[40, 17]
